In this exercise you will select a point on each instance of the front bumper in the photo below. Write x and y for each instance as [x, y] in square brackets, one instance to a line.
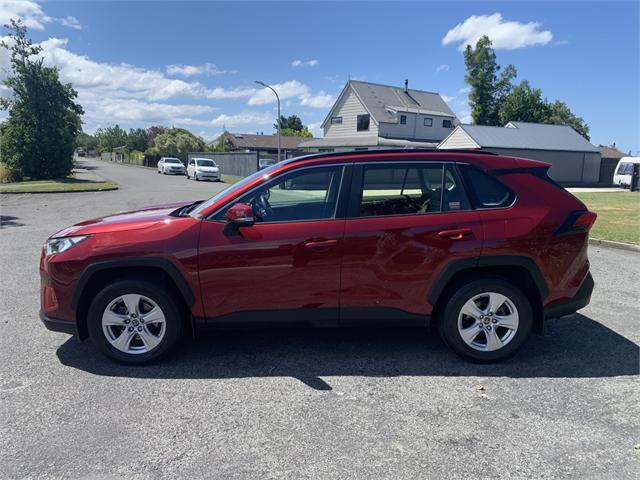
[56, 325]
[580, 300]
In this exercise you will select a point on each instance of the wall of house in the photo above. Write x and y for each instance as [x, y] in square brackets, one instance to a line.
[415, 129]
[458, 139]
[568, 168]
[349, 108]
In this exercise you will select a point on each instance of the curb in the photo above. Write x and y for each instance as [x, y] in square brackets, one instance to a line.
[108, 189]
[629, 247]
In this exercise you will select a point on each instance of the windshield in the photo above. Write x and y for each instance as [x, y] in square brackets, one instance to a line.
[171, 160]
[205, 163]
[232, 188]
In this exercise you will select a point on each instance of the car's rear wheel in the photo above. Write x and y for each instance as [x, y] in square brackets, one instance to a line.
[195, 175]
[486, 320]
[133, 321]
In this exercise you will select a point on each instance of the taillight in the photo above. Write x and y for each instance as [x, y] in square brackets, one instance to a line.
[577, 222]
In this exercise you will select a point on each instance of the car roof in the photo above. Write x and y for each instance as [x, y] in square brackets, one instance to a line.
[482, 159]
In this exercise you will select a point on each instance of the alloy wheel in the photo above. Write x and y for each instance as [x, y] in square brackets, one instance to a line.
[133, 324]
[488, 321]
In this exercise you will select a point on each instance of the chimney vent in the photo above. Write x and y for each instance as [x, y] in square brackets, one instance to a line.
[406, 85]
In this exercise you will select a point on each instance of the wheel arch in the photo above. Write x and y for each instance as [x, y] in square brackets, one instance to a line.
[518, 270]
[97, 275]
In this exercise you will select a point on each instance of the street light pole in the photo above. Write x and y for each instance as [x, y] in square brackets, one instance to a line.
[278, 99]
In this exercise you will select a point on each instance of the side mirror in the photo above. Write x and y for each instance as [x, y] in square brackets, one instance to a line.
[240, 215]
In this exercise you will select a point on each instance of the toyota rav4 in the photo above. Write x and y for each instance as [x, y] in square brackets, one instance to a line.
[483, 247]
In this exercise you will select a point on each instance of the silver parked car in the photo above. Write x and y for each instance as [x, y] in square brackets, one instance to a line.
[170, 165]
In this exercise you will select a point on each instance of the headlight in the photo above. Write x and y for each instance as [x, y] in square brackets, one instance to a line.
[58, 245]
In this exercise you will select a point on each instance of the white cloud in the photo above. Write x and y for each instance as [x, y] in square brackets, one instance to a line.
[465, 116]
[442, 68]
[464, 90]
[32, 15]
[321, 100]
[309, 63]
[191, 70]
[316, 129]
[447, 98]
[286, 90]
[505, 35]
[244, 118]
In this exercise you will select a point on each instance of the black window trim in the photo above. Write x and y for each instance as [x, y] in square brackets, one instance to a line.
[403, 117]
[368, 125]
[475, 204]
[338, 213]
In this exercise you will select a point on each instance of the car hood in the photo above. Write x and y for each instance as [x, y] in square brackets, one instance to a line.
[207, 169]
[126, 220]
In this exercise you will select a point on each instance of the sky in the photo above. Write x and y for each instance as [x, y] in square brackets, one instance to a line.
[194, 64]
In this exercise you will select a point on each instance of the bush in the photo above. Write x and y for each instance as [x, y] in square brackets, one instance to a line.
[5, 174]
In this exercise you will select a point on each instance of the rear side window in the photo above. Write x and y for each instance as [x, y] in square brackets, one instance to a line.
[487, 192]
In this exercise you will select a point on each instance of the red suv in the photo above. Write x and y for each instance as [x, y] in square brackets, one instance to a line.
[484, 247]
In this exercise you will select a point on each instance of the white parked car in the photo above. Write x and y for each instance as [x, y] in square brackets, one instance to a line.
[624, 170]
[170, 165]
[203, 169]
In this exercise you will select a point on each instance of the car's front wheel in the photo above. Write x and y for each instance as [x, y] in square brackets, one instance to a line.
[486, 320]
[134, 321]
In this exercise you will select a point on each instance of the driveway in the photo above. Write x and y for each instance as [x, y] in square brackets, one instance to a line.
[368, 403]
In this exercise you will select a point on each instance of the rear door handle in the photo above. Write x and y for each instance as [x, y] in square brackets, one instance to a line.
[321, 244]
[455, 233]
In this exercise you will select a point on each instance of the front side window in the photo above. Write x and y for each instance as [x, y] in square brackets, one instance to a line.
[401, 190]
[428, 122]
[363, 122]
[485, 189]
[625, 168]
[308, 194]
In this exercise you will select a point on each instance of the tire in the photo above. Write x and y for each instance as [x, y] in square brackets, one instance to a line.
[195, 176]
[187, 175]
[109, 319]
[499, 333]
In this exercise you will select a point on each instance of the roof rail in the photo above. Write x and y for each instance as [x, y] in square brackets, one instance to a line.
[388, 150]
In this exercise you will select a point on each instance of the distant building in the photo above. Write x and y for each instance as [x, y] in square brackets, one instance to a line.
[574, 161]
[610, 158]
[373, 116]
[265, 144]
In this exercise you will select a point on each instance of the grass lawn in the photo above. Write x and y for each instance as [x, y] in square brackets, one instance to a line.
[618, 215]
[56, 186]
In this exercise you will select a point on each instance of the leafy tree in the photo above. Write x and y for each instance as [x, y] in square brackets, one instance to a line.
[38, 138]
[560, 114]
[137, 139]
[86, 141]
[221, 144]
[153, 132]
[176, 142]
[524, 104]
[488, 88]
[296, 133]
[110, 138]
[292, 122]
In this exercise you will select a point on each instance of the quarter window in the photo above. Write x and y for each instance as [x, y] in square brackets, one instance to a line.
[487, 192]
[362, 122]
[428, 122]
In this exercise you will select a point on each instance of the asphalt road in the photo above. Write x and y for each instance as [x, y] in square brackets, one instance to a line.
[308, 403]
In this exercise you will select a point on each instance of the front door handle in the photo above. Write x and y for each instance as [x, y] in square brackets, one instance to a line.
[321, 244]
[455, 233]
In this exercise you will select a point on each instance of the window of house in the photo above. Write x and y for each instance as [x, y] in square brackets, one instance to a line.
[363, 122]
[428, 122]
[447, 124]
[401, 190]
[403, 119]
[336, 120]
[325, 150]
[487, 192]
[308, 194]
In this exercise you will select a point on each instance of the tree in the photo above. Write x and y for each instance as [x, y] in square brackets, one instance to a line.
[560, 114]
[292, 123]
[38, 138]
[111, 137]
[296, 133]
[221, 144]
[488, 89]
[176, 142]
[137, 139]
[153, 132]
[86, 141]
[524, 104]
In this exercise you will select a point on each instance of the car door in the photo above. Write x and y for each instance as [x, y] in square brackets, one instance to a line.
[191, 168]
[286, 267]
[405, 223]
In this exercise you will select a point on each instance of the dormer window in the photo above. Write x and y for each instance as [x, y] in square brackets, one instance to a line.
[362, 123]
[403, 119]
